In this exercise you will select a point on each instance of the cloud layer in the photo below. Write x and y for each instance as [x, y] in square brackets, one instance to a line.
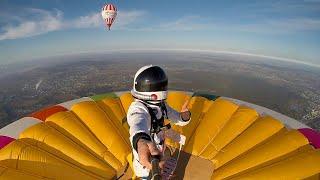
[259, 19]
[47, 21]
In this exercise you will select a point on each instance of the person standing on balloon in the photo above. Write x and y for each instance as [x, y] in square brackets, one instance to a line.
[146, 117]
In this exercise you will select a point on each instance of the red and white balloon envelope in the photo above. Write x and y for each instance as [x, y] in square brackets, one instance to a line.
[109, 13]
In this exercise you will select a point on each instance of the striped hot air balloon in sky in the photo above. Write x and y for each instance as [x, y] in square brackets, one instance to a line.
[109, 13]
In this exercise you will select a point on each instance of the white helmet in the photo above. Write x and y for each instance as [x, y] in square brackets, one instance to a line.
[150, 84]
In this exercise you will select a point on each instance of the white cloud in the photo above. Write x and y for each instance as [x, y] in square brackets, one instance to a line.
[92, 20]
[48, 22]
[297, 24]
[33, 22]
[186, 23]
[279, 26]
[125, 18]
[41, 21]
[266, 26]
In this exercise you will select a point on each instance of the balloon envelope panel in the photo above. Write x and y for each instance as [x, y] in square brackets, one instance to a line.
[88, 139]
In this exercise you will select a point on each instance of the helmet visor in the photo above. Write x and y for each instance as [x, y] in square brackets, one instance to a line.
[152, 80]
[152, 87]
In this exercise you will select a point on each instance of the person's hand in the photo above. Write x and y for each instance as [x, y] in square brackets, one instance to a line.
[185, 106]
[185, 113]
[145, 150]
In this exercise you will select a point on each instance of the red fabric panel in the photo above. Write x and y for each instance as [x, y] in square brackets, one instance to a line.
[46, 112]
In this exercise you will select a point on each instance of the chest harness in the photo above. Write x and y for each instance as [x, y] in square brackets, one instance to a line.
[157, 125]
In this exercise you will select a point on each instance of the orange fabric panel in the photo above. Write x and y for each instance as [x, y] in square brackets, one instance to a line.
[113, 108]
[54, 142]
[196, 106]
[12, 173]
[70, 126]
[175, 100]
[213, 121]
[256, 134]
[277, 148]
[126, 100]
[25, 157]
[304, 165]
[238, 123]
[103, 128]
[46, 112]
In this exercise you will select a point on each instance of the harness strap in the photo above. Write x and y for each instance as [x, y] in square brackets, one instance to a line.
[157, 124]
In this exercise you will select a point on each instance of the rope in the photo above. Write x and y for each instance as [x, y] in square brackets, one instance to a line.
[180, 148]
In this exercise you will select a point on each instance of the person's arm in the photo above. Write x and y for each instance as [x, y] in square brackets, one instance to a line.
[139, 135]
[146, 149]
[137, 118]
[181, 118]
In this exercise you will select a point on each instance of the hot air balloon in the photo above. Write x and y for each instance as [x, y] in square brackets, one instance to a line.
[109, 13]
[88, 138]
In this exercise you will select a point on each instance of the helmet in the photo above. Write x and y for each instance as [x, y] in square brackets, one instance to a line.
[150, 84]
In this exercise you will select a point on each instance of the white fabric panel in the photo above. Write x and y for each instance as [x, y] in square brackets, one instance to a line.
[69, 104]
[14, 129]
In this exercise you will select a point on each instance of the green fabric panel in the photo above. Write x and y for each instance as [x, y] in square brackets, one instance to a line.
[103, 96]
[206, 95]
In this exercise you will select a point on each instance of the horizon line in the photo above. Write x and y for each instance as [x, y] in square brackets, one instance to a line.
[184, 49]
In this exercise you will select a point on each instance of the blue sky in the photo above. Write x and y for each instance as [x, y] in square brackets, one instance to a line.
[32, 29]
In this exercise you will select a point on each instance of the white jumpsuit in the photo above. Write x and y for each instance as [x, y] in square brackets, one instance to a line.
[139, 120]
